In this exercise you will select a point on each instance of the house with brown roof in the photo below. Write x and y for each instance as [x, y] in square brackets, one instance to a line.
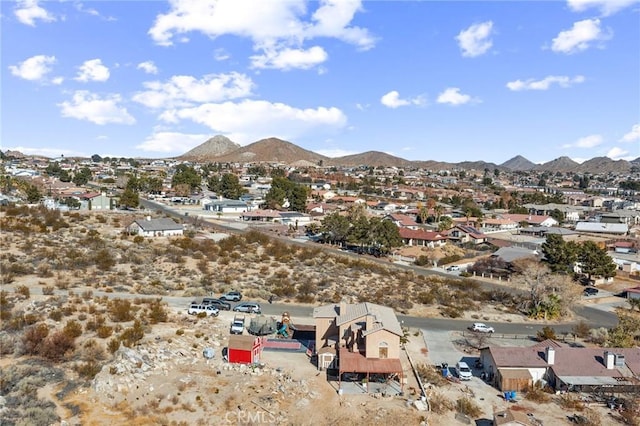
[462, 234]
[361, 338]
[563, 367]
[510, 417]
[420, 237]
[402, 221]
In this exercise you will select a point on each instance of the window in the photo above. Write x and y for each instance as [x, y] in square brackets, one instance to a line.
[383, 350]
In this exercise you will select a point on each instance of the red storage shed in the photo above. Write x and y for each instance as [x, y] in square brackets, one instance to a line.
[244, 349]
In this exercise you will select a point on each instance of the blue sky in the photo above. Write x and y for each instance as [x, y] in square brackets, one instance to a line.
[431, 80]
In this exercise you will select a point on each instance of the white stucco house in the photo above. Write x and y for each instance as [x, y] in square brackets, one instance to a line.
[163, 227]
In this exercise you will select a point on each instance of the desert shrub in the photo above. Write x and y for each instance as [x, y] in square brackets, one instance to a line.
[48, 290]
[581, 329]
[138, 239]
[546, 333]
[468, 407]
[449, 259]
[599, 335]
[56, 346]
[44, 270]
[55, 315]
[422, 260]
[133, 334]
[104, 260]
[88, 369]
[34, 337]
[179, 332]
[113, 345]
[23, 290]
[7, 343]
[92, 350]
[571, 401]
[120, 310]
[451, 311]
[94, 323]
[537, 394]
[440, 404]
[104, 331]
[157, 312]
[430, 374]
[72, 329]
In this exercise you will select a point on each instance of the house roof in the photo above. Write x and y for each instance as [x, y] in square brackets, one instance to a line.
[161, 224]
[510, 417]
[419, 234]
[610, 228]
[568, 361]
[402, 219]
[529, 218]
[353, 362]
[473, 232]
[261, 213]
[383, 316]
[240, 342]
[509, 254]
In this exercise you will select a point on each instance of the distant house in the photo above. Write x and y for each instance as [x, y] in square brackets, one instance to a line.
[463, 234]
[97, 201]
[509, 254]
[227, 206]
[295, 218]
[530, 219]
[244, 349]
[602, 228]
[562, 367]
[162, 227]
[419, 237]
[361, 338]
[261, 216]
[402, 220]
[510, 417]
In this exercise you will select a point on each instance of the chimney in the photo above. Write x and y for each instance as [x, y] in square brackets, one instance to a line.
[550, 355]
[609, 360]
[342, 307]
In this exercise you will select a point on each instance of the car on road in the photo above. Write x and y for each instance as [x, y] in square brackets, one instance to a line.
[218, 303]
[453, 268]
[249, 307]
[232, 296]
[464, 372]
[481, 327]
[590, 291]
[196, 309]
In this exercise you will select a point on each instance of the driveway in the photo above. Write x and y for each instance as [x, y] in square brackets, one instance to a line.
[440, 348]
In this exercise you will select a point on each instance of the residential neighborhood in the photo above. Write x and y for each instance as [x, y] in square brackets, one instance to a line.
[474, 231]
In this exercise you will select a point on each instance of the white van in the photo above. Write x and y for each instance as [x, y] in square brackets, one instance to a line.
[464, 372]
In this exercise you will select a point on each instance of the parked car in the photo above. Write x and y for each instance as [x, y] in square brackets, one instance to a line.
[233, 296]
[249, 307]
[464, 372]
[481, 328]
[453, 268]
[220, 304]
[237, 326]
[195, 309]
[590, 291]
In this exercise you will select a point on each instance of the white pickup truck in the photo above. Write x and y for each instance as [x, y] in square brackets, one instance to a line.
[195, 309]
[237, 326]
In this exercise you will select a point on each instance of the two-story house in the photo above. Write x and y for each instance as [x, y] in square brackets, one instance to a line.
[361, 338]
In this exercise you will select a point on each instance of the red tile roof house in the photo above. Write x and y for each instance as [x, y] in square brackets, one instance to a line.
[564, 368]
[402, 220]
[462, 234]
[419, 237]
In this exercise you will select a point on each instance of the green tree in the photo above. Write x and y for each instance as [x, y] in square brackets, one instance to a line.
[186, 175]
[82, 176]
[230, 186]
[129, 198]
[96, 158]
[559, 255]
[278, 173]
[384, 235]
[557, 215]
[53, 169]
[33, 194]
[65, 176]
[335, 228]
[594, 261]
[257, 170]
[445, 223]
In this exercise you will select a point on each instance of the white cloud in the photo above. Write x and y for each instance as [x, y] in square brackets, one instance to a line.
[616, 153]
[34, 68]
[393, 100]
[221, 55]
[168, 142]
[288, 58]
[91, 107]
[580, 37]
[57, 80]
[29, 11]
[250, 120]
[475, 40]
[545, 83]
[633, 135]
[452, 96]
[334, 153]
[606, 7]
[585, 142]
[184, 90]
[273, 26]
[148, 66]
[92, 70]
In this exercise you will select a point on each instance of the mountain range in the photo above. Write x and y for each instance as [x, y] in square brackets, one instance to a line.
[273, 150]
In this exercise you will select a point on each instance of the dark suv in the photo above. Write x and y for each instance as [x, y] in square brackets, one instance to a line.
[220, 304]
[590, 291]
